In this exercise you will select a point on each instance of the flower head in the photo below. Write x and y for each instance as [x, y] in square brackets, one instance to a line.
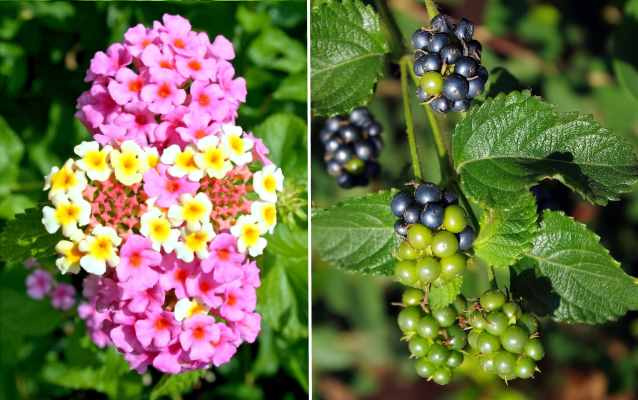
[129, 163]
[94, 161]
[39, 284]
[268, 182]
[100, 249]
[248, 232]
[63, 296]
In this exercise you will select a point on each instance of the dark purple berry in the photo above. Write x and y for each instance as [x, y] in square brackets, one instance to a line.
[432, 215]
[333, 167]
[400, 202]
[372, 169]
[365, 150]
[343, 154]
[420, 39]
[466, 238]
[464, 30]
[325, 136]
[450, 53]
[334, 123]
[378, 145]
[450, 197]
[349, 134]
[465, 66]
[440, 23]
[332, 145]
[475, 87]
[440, 104]
[461, 105]
[427, 62]
[438, 41]
[401, 228]
[412, 213]
[373, 129]
[427, 193]
[474, 49]
[360, 116]
[455, 87]
[346, 181]
[420, 94]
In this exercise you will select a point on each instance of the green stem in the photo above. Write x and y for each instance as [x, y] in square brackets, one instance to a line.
[430, 6]
[407, 112]
[398, 45]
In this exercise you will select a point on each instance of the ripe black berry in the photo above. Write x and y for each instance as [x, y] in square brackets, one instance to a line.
[450, 197]
[438, 41]
[455, 87]
[364, 150]
[460, 105]
[464, 30]
[466, 66]
[373, 129]
[343, 154]
[427, 62]
[441, 104]
[441, 23]
[411, 214]
[420, 39]
[450, 53]
[427, 193]
[349, 134]
[333, 167]
[345, 180]
[466, 238]
[401, 228]
[360, 116]
[475, 87]
[400, 202]
[432, 215]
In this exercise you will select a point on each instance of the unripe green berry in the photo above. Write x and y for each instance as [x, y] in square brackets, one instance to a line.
[407, 252]
[419, 236]
[452, 266]
[418, 346]
[428, 327]
[412, 297]
[424, 368]
[355, 166]
[445, 316]
[442, 376]
[427, 269]
[431, 83]
[492, 300]
[514, 339]
[405, 272]
[408, 319]
[454, 219]
[444, 244]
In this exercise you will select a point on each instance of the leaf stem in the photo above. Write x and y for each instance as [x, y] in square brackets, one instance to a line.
[432, 9]
[407, 112]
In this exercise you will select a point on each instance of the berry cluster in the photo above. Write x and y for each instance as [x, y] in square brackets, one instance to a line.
[504, 338]
[448, 64]
[436, 338]
[351, 146]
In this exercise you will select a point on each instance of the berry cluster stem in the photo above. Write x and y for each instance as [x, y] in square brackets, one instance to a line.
[430, 6]
[407, 112]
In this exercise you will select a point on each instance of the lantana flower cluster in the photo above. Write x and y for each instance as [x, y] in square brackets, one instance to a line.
[40, 285]
[167, 220]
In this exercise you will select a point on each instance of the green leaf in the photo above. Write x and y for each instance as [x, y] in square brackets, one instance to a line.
[357, 234]
[444, 295]
[513, 141]
[506, 233]
[347, 53]
[625, 60]
[15, 204]
[285, 135]
[274, 49]
[25, 237]
[176, 385]
[293, 87]
[590, 283]
[11, 150]
[23, 316]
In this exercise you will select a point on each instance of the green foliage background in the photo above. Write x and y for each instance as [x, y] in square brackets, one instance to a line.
[576, 55]
[45, 48]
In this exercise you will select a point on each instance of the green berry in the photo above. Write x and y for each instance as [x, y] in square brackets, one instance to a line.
[534, 349]
[412, 297]
[442, 376]
[431, 83]
[487, 364]
[408, 319]
[452, 266]
[419, 236]
[355, 166]
[473, 337]
[444, 244]
[454, 219]
[445, 316]
[460, 305]
[428, 327]
[488, 344]
[455, 359]
[424, 368]
[477, 321]
[530, 323]
[524, 368]
[428, 269]
[504, 363]
[438, 354]
[512, 311]
[405, 272]
[514, 339]
[418, 346]
[497, 322]
[407, 252]
[492, 300]
[457, 337]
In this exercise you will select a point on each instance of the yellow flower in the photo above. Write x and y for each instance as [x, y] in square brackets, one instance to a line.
[157, 228]
[71, 256]
[68, 214]
[212, 158]
[238, 148]
[186, 308]
[100, 248]
[248, 234]
[93, 160]
[268, 182]
[265, 214]
[182, 162]
[195, 243]
[194, 210]
[64, 182]
[129, 163]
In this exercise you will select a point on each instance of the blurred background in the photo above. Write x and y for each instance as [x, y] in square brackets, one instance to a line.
[45, 49]
[579, 55]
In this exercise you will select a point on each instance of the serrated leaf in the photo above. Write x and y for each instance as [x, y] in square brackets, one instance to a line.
[444, 295]
[590, 283]
[357, 234]
[513, 141]
[347, 52]
[506, 233]
[25, 237]
[176, 385]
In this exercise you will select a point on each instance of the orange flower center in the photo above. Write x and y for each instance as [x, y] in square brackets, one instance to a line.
[194, 65]
[136, 259]
[223, 254]
[198, 333]
[203, 100]
[161, 324]
[164, 90]
[135, 85]
[179, 43]
[172, 186]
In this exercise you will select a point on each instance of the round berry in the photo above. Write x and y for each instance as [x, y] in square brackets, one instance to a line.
[457, 337]
[465, 66]
[461, 105]
[428, 269]
[488, 365]
[408, 319]
[432, 215]
[411, 214]
[431, 83]
[343, 154]
[349, 134]
[512, 311]
[464, 30]
[424, 368]
[534, 349]
[418, 346]
[459, 304]
[427, 193]
[360, 116]
[444, 244]
[426, 63]
[365, 150]
[407, 252]
[454, 219]
[428, 327]
[333, 167]
[474, 49]
[420, 39]
[405, 272]
[332, 145]
[325, 135]
[530, 323]
[334, 123]
[346, 180]
[420, 94]
[477, 321]
[466, 238]
[442, 376]
[445, 316]
[373, 129]
[441, 104]
[475, 87]
[452, 266]
[401, 228]
[450, 197]
[496, 323]
[514, 339]
[419, 236]
[412, 297]
[438, 354]
[473, 337]
[355, 166]
[440, 23]
[400, 202]
[450, 53]
[492, 300]
[504, 363]
[455, 359]
[524, 368]
[455, 87]
[488, 344]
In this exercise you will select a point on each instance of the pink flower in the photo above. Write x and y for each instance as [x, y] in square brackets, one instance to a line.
[260, 151]
[116, 57]
[96, 107]
[176, 276]
[138, 122]
[251, 274]
[196, 67]
[167, 129]
[204, 287]
[159, 329]
[138, 38]
[224, 348]
[39, 284]
[197, 127]
[166, 188]
[196, 337]
[235, 88]
[123, 337]
[224, 259]
[222, 48]
[143, 300]
[163, 94]
[116, 134]
[126, 86]
[157, 60]
[63, 296]
[136, 259]
[177, 34]
[249, 327]
[168, 361]
[205, 98]
[236, 300]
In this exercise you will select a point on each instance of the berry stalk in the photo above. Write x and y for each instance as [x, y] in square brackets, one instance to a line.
[431, 8]
[414, 154]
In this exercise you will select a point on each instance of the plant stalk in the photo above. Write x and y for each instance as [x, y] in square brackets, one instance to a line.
[407, 112]
[431, 8]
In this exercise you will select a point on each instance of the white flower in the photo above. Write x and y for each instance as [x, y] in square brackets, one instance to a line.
[100, 249]
[265, 214]
[213, 159]
[182, 162]
[94, 161]
[64, 182]
[68, 214]
[195, 243]
[152, 157]
[71, 256]
[129, 163]
[248, 234]
[238, 148]
[268, 182]
[186, 308]
[156, 227]
[194, 210]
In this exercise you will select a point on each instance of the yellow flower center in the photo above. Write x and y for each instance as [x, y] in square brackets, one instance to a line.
[67, 213]
[269, 214]
[160, 230]
[95, 159]
[129, 163]
[270, 184]
[214, 158]
[101, 247]
[73, 255]
[250, 234]
[196, 240]
[186, 161]
[236, 143]
[193, 211]
[64, 179]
